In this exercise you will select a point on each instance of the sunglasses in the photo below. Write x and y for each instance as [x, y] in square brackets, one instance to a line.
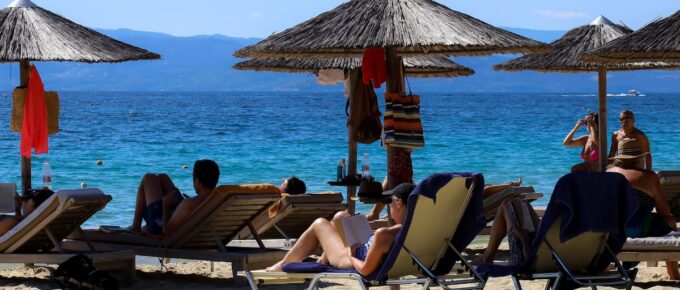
[625, 118]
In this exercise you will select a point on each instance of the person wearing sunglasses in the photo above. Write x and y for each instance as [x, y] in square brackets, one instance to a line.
[26, 204]
[631, 134]
[364, 258]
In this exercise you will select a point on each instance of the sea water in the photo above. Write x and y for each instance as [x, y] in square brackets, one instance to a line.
[264, 137]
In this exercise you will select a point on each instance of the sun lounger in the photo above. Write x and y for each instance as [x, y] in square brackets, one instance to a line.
[492, 202]
[656, 249]
[289, 217]
[444, 215]
[205, 233]
[670, 185]
[579, 235]
[38, 237]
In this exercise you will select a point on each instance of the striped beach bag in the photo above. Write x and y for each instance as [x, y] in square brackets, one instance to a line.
[402, 124]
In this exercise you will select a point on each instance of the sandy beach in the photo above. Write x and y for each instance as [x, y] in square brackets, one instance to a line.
[198, 275]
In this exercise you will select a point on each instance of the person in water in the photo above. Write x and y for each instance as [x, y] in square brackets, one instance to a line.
[364, 258]
[163, 207]
[588, 143]
[630, 133]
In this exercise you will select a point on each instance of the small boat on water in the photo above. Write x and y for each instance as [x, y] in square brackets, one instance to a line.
[630, 93]
[635, 93]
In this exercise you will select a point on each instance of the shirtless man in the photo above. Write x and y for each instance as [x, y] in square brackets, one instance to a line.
[628, 131]
[161, 205]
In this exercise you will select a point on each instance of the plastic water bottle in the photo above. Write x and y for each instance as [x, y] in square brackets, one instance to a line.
[47, 175]
[365, 166]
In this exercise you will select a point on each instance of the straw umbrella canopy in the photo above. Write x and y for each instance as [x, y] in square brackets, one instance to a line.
[565, 57]
[657, 41]
[402, 27]
[30, 33]
[415, 66]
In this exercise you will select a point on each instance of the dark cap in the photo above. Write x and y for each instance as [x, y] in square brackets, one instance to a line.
[401, 191]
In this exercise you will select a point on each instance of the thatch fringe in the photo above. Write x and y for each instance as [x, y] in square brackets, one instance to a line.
[657, 41]
[567, 51]
[417, 66]
[412, 26]
[33, 33]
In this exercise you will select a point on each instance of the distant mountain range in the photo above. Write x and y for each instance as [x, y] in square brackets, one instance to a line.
[203, 63]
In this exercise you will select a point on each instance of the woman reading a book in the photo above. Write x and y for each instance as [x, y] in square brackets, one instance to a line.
[365, 258]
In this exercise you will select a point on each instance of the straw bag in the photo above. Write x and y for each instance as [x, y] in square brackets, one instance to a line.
[403, 127]
[17, 115]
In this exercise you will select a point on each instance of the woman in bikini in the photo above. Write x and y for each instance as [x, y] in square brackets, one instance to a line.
[364, 258]
[588, 143]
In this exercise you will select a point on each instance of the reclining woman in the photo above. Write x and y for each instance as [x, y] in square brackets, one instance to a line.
[25, 205]
[629, 162]
[364, 258]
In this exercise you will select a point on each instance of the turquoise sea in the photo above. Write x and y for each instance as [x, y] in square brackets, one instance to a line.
[263, 137]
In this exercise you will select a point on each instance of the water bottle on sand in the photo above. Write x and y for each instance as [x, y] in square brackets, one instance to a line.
[365, 167]
[47, 175]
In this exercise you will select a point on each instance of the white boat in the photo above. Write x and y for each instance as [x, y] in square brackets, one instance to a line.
[634, 93]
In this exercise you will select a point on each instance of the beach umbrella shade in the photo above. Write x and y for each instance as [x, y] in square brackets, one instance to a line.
[30, 33]
[402, 27]
[414, 66]
[657, 41]
[566, 57]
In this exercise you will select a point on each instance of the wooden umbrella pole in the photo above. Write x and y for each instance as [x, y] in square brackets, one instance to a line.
[24, 69]
[602, 110]
[352, 142]
[395, 84]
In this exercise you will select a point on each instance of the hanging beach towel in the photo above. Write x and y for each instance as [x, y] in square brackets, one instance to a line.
[34, 128]
[403, 127]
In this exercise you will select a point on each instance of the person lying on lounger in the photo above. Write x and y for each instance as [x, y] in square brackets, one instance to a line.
[293, 186]
[364, 258]
[163, 207]
[28, 202]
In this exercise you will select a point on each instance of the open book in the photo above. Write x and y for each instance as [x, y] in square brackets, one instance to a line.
[354, 230]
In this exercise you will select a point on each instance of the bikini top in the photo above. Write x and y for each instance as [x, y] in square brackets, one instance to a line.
[593, 156]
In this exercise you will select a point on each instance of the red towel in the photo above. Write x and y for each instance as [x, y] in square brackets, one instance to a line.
[34, 127]
[373, 66]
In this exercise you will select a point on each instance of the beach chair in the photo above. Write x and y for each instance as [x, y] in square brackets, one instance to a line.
[289, 217]
[204, 234]
[492, 202]
[38, 237]
[579, 235]
[444, 215]
[656, 249]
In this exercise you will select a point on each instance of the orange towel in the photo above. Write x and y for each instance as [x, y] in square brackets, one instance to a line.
[374, 67]
[34, 127]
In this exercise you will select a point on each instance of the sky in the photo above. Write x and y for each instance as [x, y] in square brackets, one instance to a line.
[259, 18]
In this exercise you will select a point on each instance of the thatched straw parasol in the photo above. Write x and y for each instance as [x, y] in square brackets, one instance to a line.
[411, 26]
[566, 57]
[657, 41]
[30, 33]
[415, 66]
[402, 27]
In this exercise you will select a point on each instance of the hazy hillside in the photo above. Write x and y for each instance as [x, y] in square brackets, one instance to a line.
[203, 63]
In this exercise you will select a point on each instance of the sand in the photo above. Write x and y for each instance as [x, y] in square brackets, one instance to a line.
[198, 275]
